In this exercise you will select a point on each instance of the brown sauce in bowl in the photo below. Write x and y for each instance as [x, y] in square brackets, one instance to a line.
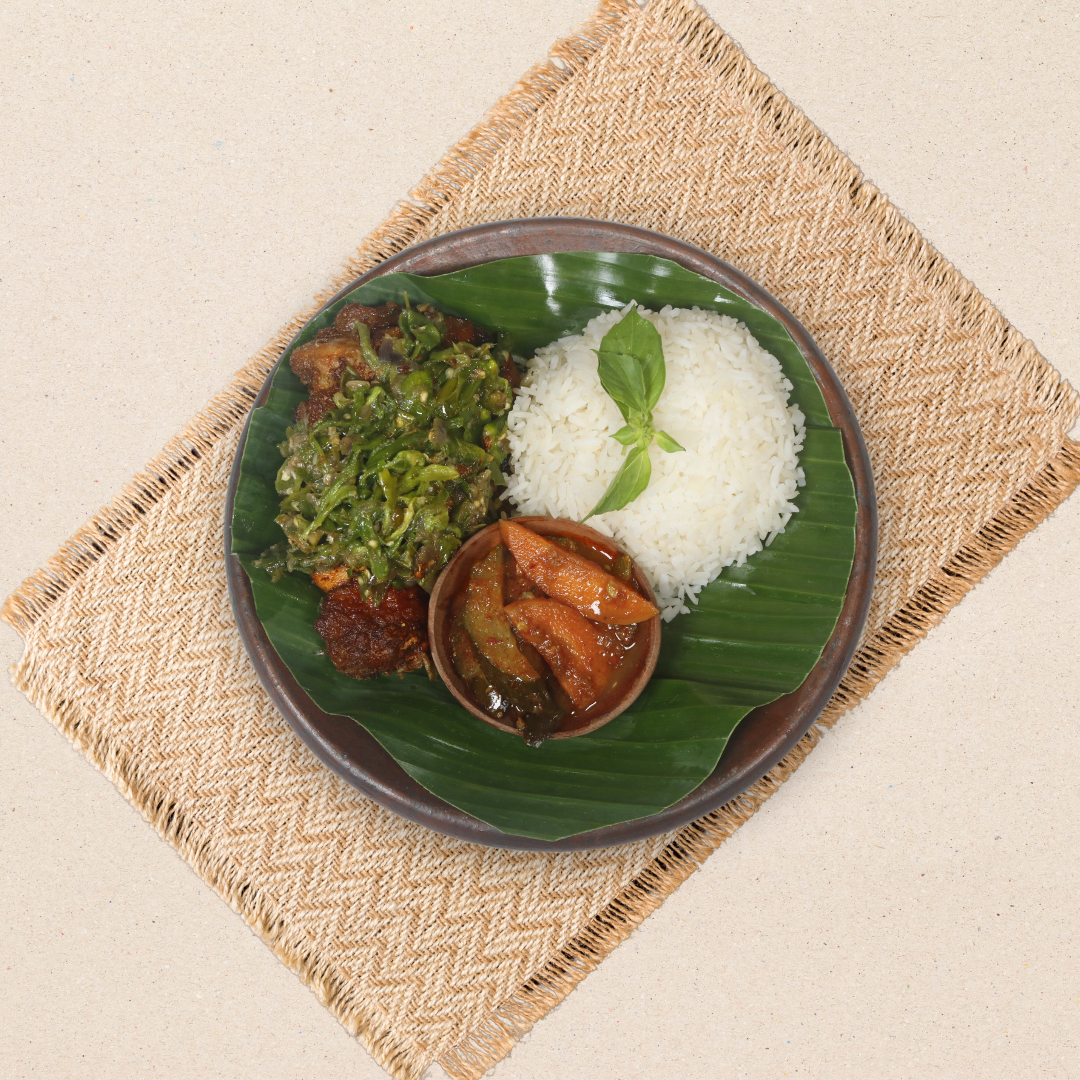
[534, 665]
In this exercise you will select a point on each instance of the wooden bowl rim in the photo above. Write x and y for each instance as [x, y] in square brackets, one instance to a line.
[475, 548]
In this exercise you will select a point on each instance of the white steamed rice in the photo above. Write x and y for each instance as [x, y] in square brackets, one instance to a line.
[725, 401]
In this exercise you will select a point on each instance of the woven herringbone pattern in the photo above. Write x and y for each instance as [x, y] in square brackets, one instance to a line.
[426, 947]
[431, 932]
[959, 412]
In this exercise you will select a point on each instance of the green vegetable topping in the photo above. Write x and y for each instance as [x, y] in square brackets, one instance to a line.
[402, 468]
[630, 362]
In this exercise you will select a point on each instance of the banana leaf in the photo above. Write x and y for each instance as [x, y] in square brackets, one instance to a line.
[755, 634]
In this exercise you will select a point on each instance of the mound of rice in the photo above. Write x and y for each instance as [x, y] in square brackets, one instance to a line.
[725, 401]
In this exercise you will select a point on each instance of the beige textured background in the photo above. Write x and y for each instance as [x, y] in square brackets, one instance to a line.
[176, 183]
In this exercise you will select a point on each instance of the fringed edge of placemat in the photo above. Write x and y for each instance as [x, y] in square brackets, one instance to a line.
[901, 632]
[472, 154]
[229, 408]
[226, 410]
[697, 33]
[39, 591]
[694, 30]
[496, 1036]
[363, 1020]
[976, 315]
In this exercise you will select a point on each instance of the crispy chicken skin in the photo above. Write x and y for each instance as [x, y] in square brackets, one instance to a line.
[379, 336]
[459, 330]
[363, 640]
[320, 364]
[328, 580]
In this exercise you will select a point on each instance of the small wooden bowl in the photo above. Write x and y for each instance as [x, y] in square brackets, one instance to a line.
[452, 580]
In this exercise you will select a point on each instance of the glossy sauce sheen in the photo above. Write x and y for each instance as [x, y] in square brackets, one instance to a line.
[620, 650]
[565, 574]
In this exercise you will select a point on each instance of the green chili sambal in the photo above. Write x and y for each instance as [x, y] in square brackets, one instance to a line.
[394, 461]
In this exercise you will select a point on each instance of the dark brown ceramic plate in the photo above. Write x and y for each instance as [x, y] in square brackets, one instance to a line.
[759, 741]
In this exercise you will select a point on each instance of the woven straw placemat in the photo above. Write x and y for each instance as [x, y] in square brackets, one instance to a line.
[428, 948]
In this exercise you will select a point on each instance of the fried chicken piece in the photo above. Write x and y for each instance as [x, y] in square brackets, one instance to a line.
[459, 330]
[383, 322]
[363, 640]
[319, 365]
[310, 412]
[511, 372]
[328, 580]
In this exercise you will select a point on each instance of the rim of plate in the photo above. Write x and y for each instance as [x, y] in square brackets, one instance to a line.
[764, 736]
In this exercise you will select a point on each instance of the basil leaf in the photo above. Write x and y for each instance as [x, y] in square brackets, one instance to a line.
[630, 363]
[620, 376]
[666, 442]
[627, 484]
[635, 336]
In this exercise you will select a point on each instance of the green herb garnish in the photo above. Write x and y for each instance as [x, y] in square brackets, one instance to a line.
[630, 362]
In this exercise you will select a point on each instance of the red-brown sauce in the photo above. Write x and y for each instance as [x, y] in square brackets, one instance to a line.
[540, 709]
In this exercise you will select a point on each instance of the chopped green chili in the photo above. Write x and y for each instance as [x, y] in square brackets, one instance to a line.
[403, 468]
